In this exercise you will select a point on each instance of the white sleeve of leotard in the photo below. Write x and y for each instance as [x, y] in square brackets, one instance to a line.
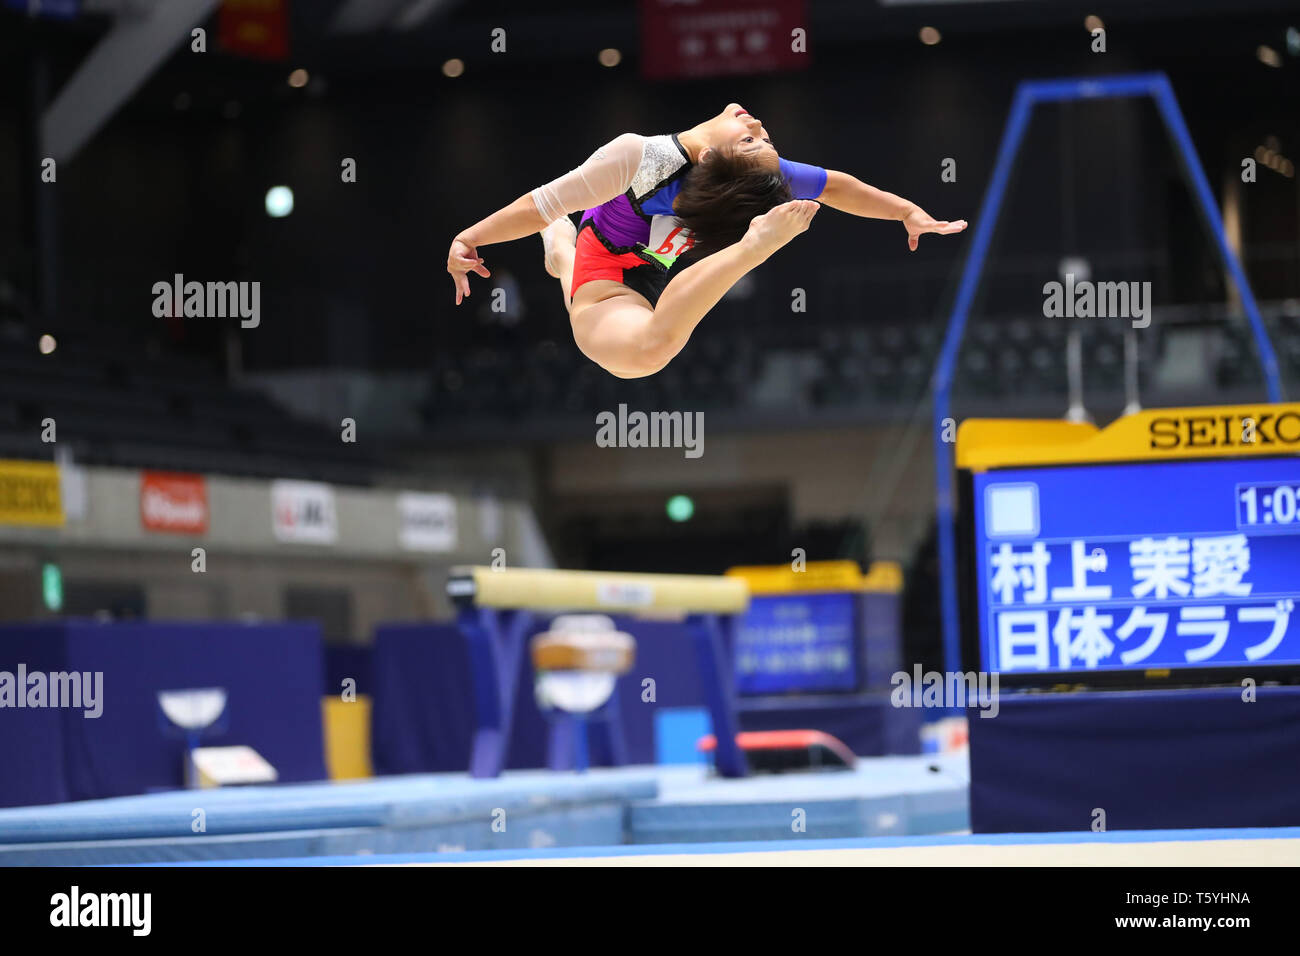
[607, 173]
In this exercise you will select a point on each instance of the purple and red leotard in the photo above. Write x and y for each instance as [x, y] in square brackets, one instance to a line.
[626, 189]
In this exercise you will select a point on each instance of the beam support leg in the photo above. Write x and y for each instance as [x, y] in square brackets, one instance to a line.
[712, 634]
[496, 646]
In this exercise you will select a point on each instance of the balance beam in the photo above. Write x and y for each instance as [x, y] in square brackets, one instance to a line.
[518, 588]
[494, 609]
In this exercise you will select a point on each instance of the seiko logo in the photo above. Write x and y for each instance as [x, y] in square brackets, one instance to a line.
[1222, 431]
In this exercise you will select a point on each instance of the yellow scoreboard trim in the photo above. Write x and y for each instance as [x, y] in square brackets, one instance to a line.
[819, 577]
[30, 493]
[1158, 434]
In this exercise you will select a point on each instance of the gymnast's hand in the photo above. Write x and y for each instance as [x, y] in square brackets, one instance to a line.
[918, 221]
[462, 259]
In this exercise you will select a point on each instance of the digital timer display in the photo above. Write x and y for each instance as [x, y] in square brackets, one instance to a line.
[1260, 506]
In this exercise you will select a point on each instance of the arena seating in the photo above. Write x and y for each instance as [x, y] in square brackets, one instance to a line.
[114, 404]
[875, 365]
[118, 406]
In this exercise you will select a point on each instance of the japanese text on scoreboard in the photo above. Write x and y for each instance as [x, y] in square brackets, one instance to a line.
[1139, 566]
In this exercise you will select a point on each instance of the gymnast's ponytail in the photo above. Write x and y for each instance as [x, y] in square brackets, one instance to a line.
[721, 194]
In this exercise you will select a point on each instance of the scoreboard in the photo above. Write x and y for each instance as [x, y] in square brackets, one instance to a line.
[822, 628]
[1126, 555]
[804, 643]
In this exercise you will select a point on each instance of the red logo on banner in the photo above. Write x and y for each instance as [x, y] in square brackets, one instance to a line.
[173, 502]
[689, 38]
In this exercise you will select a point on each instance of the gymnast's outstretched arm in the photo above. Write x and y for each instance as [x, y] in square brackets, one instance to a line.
[850, 194]
[607, 173]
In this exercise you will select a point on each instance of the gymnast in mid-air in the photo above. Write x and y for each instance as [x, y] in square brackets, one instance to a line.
[669, 224]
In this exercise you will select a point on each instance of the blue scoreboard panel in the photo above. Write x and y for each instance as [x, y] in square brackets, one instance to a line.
[798, 643]
[1169, 566]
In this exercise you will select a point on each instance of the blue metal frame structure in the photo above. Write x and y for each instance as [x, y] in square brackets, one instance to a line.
[495, 639]
[1028, 95]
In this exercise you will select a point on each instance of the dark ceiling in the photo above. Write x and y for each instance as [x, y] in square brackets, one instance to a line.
[381, 35]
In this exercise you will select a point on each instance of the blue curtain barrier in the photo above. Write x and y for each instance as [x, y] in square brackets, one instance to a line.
[272, 674]
[424, 704]
[1149, 760]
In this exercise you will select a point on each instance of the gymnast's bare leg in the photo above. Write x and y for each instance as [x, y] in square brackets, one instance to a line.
[620, 331]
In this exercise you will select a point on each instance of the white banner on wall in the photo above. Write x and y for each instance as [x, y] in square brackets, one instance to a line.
[426, 522]
[303, 511]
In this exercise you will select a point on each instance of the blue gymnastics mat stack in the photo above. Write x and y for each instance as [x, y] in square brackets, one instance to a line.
[430, 813]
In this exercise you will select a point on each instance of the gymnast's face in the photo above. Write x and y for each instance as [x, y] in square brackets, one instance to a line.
[734, 127]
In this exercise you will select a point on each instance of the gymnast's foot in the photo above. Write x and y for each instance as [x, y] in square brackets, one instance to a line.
[558, 237]
[772, 230]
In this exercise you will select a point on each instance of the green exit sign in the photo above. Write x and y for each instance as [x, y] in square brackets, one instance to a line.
[52, 586]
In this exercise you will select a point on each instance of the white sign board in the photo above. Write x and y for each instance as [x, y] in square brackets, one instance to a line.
[303, 511]
[426, 522]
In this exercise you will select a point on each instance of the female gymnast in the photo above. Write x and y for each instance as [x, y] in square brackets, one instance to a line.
[669, 224]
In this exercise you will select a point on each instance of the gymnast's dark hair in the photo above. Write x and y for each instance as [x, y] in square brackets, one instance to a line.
[721, 194]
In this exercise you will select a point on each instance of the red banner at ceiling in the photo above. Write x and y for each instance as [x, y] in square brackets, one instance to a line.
[254, 28]
[696, 38]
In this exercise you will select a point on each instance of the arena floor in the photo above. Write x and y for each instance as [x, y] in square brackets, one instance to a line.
[1229, 847]
[1215, 852]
